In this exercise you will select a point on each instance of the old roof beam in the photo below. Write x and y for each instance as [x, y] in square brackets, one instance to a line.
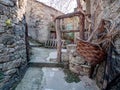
[69, 15]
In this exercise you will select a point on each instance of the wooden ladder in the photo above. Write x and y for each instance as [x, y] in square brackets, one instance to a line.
[52, 43]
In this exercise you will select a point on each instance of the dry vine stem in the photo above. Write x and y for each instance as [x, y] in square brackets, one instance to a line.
[109, 33]
[93, 33]
[107, 39]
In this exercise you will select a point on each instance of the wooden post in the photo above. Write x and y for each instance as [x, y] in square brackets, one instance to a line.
[81, 20]
[79, 4]
[82, 23]
[61, 27]
[59, 43]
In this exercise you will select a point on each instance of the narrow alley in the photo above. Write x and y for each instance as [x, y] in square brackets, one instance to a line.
[45, 78]
[59, 44]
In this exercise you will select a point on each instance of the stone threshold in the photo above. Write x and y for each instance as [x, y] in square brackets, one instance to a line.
[45, 64]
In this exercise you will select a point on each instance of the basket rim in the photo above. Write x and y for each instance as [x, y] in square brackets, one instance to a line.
[93, 44]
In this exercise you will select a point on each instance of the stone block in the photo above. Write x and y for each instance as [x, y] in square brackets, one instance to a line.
[11, 50]
[11, 46]
[7, 3]
[8, 39]
[74, 70]
[3, 18]
[2, 48]
[2, 9]
[11, 64]
[4, 58]
[117, 41]
[13, 56]
[100, 74]
[83, 70]
[21, 42]
[22, 53]
[1, 84]
[71, 48]
[19, 30]
[76, 62]
[2, 30]
[65, 57]
[3, 81]
[86, 70]
[9, 72]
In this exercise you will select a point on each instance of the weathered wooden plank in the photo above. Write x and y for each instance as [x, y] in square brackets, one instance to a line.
[44, 64]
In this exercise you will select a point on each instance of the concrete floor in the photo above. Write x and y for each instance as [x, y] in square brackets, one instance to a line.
[50, 78]
[41, 54]
[54, 79]
[32, 80]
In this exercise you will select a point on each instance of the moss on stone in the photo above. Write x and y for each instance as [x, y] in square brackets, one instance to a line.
[71, 77]
[8, 22]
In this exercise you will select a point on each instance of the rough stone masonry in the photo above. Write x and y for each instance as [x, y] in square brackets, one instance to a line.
[108, 10]
[12, 42]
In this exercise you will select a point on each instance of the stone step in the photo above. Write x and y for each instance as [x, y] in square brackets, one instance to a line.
[42, 64]
[35, 45]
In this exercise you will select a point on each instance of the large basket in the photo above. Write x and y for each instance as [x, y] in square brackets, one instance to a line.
[91, 52]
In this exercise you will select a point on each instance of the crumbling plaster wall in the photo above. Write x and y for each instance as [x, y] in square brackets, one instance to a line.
[12, 42]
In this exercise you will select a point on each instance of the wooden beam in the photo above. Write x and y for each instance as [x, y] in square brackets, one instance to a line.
[59, 41]
[69, 15]
[69, 31]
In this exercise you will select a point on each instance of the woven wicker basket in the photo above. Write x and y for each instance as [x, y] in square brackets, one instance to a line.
[91, 52]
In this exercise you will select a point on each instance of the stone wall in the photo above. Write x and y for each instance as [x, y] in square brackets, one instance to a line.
[12, 42]
[77, 64]
[39, 16]
[108, 10]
